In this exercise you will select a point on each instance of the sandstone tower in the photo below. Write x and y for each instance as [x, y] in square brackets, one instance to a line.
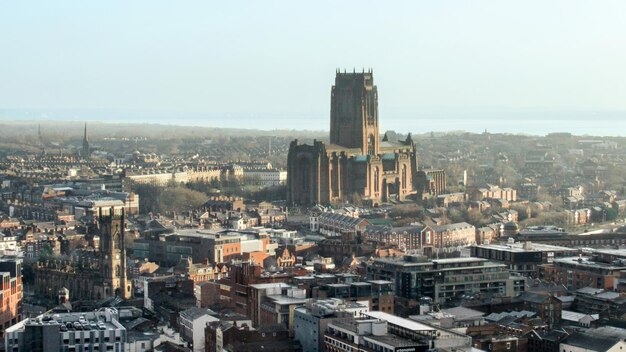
[113, 252]
[354, 112]
[356, 166]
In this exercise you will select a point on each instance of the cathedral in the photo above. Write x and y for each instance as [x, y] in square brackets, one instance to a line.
[357, 164]
[91, 274]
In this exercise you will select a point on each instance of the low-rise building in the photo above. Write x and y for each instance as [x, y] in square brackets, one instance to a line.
[367, 335]
[335, 224]
[192, 322]
[311, 320]
[521, 257]
[170, 248]
[274, 303]
[265, 177]
[579, 272]
[88, 331]
[446, 280]
[595, 340]
[434, 337]
[452, 318]
[376, 294]
[11, 291]
[592, 301]
[494, 192]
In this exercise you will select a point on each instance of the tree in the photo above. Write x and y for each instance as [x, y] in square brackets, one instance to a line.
[610, 214]
[149, 195]
[457, 215]
[180, 199]
[45, 252]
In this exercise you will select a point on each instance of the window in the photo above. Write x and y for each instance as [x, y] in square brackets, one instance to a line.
[376, 179]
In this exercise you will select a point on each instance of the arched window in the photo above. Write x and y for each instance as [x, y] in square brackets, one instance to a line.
[116, 241]
[370, 145]
[376, 179]
[404, 176]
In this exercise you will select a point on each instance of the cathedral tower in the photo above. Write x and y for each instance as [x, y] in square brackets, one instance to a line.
[356, 166]
[113, 252]
[354, 112]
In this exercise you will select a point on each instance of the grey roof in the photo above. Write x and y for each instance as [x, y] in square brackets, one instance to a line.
[463, 312]
[589, 341]
[534, 297]
[498, 317]
[194, 313]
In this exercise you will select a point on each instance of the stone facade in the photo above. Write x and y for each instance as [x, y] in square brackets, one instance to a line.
[356, 164]
[91, 274]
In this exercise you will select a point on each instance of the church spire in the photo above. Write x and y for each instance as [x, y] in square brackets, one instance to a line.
[40, 140]
[85, 152]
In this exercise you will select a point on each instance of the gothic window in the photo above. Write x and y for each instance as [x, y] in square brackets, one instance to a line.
[116, 241]
[371, 109]
[370, 145]
[403, 176]
[117, 271]
[376, 179]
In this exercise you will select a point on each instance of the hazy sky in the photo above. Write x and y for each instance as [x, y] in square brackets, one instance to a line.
[278, 58]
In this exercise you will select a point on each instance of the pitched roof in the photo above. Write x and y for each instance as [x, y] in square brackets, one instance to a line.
[534, 297]
[589, 341]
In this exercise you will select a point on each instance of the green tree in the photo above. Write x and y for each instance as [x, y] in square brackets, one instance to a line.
[45, 252]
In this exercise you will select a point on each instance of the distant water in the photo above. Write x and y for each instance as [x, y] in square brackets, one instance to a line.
[518, 126]
[532, 123]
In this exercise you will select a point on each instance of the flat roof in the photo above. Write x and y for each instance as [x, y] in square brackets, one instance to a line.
[459, 260]
[380, 282]
[395, 320]
[270, 285]
[587, 262]
[280, 299]
[393, 340]
[615, 252]
[519, 247]
[64, 318]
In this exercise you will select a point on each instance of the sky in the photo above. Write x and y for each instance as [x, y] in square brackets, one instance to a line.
[270, 64]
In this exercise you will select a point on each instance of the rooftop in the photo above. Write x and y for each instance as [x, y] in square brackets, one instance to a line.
[194, 313]
[286, 300]
[575, 316]
[588, 262]
[103, 319]
[395, 320]
[392, 340]
[518, 247]
[269, 285]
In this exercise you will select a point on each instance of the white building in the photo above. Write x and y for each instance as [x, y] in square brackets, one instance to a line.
[8, 245]
[192, 324]
[265, 177]
[311, 321]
